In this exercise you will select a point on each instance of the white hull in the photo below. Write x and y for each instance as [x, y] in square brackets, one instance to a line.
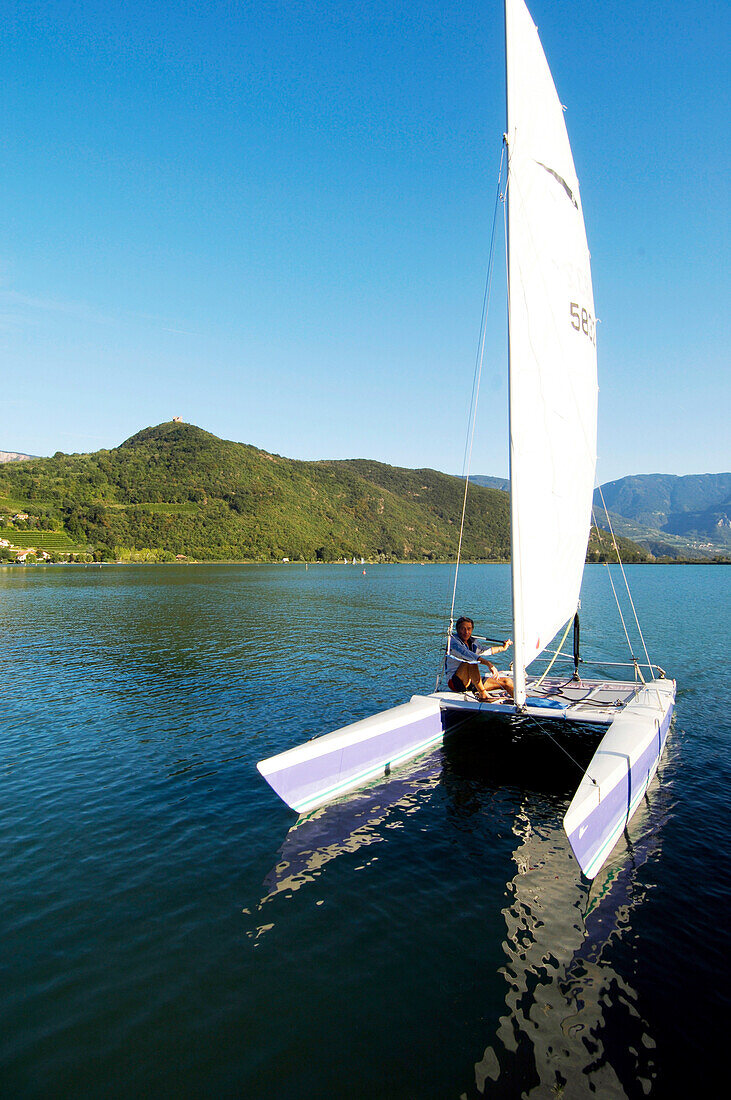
[618, 775]
[328, 767]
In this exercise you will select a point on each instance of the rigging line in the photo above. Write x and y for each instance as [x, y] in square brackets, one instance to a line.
[616, 600]
[631, 601]
[614, 664]
[566, 751]
[476, 378]
[624, 576]
[548, 668]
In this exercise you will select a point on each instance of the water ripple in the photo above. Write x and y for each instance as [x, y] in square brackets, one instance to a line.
[169, 928]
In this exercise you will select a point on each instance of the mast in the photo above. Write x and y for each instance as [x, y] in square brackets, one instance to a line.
[518, 659]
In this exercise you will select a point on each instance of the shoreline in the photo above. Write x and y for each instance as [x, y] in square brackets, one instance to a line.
[299, 564]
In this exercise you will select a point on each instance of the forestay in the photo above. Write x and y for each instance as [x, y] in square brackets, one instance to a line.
[553, 382]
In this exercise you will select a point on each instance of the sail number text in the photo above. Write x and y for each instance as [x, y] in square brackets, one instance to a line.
[583, 321]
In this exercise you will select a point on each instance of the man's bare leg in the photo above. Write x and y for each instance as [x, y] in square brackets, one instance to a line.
[493, 683]
[470, 675]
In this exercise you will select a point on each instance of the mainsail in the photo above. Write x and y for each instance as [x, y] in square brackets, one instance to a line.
[552, 326]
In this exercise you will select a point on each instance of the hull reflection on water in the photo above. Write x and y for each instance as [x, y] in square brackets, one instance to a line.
[572, 1024]
[319, 837]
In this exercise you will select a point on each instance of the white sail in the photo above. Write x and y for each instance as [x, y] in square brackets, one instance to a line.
[553, 383]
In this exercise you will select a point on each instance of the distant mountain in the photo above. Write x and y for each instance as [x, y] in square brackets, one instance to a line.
[176, 490]
[491, 482]
[679, 513]
[672, 516]
[13, 456]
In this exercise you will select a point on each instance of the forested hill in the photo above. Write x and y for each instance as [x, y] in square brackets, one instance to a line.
[176, 490]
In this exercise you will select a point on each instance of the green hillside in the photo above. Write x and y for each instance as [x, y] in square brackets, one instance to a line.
[53, 541]
[177, 490]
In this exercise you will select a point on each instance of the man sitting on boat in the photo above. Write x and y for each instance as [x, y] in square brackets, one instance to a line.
[463, 660]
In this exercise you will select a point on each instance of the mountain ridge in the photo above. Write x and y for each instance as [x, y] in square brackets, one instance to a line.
[176, 491]
[14, 456]
[673, 508]
[671, 515]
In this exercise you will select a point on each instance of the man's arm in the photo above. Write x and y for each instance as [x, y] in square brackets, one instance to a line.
[489, 651]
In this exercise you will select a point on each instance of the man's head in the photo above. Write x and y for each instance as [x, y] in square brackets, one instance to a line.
[464, 627]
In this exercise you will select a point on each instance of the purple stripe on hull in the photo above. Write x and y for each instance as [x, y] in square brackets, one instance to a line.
[616, 806]
[306, 780]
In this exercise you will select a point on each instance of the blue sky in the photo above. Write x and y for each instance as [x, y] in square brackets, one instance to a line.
[272, 219]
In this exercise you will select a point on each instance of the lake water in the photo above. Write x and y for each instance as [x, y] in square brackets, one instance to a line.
[167, 932]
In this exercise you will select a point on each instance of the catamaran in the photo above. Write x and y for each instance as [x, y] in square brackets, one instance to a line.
[552, 365]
